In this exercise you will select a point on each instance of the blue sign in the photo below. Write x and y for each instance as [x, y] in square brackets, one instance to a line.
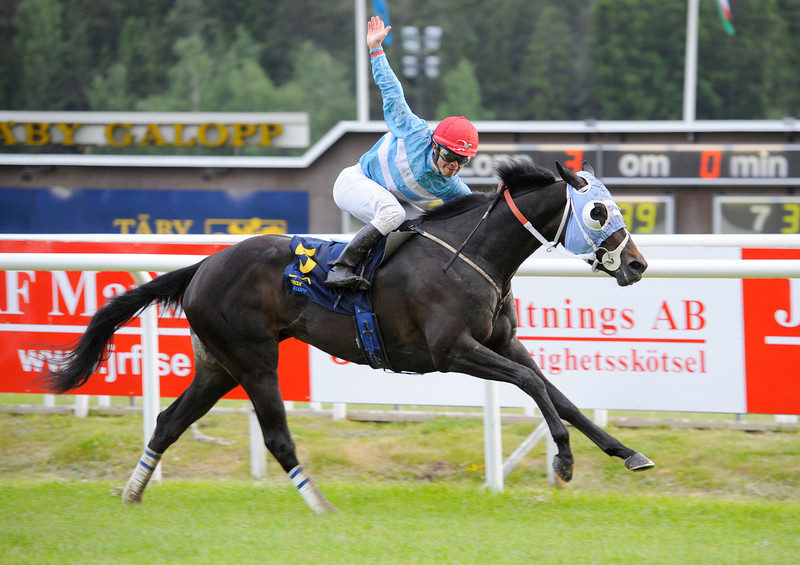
[62, 210]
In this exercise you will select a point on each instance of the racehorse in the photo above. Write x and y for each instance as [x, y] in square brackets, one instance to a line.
[460, 318]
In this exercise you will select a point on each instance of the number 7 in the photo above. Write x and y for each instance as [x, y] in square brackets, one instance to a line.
[762, 213]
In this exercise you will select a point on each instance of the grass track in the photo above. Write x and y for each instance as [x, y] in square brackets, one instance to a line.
[407, 493]
[241, 522]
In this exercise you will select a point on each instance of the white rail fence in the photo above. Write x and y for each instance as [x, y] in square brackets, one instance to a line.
[141, 265]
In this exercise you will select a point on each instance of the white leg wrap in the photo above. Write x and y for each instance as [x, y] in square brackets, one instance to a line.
[309, 491]
[141, 475]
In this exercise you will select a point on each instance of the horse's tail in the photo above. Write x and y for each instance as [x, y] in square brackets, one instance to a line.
[92, 348]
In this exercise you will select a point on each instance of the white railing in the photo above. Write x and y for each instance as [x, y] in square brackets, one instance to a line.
[542, 267]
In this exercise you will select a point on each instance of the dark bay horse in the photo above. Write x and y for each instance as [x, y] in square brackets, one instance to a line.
[459, 319]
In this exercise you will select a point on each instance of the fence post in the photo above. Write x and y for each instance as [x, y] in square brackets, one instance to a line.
[258, 451]
[493, 441]
[151, 388]
[551, 450]
[81, 405]
[600, 418]
[339, 411]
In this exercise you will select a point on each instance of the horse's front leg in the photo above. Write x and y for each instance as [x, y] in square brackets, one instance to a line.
[634, 460]
[471, 357]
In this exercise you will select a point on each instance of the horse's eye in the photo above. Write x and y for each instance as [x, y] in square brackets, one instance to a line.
[595, 215]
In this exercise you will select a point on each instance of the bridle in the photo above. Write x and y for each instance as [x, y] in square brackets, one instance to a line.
[611, 258]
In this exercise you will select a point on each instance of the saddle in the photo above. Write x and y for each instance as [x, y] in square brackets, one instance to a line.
[305, 277]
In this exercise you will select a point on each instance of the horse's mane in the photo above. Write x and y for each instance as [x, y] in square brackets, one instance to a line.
[524, 174]
[516, 175]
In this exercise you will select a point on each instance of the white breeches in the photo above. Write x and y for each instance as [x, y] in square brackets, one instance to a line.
[367, 200]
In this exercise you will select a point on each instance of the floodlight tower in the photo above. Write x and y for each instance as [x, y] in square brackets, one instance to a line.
[420, 63]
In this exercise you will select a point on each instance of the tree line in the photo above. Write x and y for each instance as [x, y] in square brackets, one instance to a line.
[499, 59]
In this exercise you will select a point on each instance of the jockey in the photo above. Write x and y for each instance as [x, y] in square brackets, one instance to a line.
[409, 163]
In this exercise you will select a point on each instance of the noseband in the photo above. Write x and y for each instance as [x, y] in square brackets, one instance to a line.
[611, 259]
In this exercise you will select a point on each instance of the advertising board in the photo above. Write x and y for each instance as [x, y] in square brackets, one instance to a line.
[43, 312]
[694, 345]
[61, 210]
[772, 338]
[658, 345]
[709, 345]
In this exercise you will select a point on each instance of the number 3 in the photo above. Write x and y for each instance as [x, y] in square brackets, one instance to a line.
[791, 220]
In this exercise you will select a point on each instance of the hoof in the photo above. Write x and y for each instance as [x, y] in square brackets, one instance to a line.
[326, 508]
[562, 468]
[129, 498]
[638, 462]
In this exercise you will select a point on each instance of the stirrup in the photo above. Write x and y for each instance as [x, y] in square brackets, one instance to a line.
[344, 277]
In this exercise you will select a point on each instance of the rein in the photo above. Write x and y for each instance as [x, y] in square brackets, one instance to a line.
[461, 247]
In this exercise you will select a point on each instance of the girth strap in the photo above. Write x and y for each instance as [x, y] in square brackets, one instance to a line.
[461, 256]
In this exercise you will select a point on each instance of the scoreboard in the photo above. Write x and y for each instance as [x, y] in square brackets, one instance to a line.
[757, 214]
[654, 164]
[648, 214]
[654, 169]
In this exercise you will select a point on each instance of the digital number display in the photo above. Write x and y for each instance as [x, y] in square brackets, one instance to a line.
[634, 164]
[642, 214]
[757, 214]
[648, 214]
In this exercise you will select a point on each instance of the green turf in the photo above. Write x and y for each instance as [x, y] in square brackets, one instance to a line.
[407, 493]
[241, 522]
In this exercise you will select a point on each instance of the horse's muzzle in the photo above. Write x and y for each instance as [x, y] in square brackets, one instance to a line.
[631, 271]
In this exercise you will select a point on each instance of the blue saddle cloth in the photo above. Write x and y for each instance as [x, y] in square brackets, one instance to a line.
[306, 274]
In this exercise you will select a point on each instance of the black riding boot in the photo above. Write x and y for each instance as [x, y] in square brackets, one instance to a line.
[342, 275]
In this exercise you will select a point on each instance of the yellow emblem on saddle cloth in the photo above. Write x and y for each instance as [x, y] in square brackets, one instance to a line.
[307, 265]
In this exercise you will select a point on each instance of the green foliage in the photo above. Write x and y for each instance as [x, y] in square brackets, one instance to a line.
[39, 46]
[462, 94]
[500, 59]
[556, 88]
[109, 91]
[321, 83]
[637, 62]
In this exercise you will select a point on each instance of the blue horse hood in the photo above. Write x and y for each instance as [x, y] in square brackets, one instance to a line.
[581, 238]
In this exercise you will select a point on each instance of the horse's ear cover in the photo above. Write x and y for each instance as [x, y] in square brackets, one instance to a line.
[569, 176]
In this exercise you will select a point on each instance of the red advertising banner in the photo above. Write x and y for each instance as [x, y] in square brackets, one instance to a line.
[43, 312]
[772, 338]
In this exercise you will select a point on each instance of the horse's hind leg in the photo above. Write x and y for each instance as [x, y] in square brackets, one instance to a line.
[269, 408]
[211, 382]
[255, 364]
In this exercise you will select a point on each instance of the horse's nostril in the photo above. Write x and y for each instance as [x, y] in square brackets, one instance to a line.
[637, 266]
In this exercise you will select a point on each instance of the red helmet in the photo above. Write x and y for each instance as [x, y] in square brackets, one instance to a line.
[457, 134]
